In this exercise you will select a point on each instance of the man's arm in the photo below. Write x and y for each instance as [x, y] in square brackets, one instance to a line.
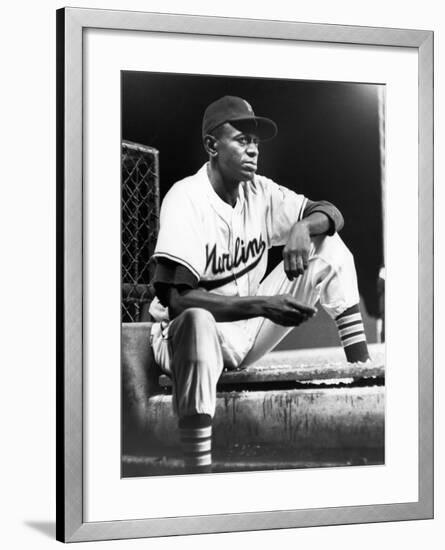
[333, 214]
[319, 218]
[282, 309]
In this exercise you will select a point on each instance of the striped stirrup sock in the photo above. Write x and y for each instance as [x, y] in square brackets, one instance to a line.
[352, 335]
[195, 432]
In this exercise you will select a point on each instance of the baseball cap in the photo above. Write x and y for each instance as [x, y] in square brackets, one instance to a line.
[231, 109]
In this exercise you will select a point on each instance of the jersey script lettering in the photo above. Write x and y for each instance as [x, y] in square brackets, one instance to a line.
[242, 254]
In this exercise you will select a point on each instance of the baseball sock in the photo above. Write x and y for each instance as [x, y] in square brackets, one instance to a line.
[352, 335]
[195, 432]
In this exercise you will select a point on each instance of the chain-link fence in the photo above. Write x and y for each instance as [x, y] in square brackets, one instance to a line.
[139, 227]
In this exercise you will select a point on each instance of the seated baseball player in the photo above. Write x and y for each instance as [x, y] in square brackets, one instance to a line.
[213, 308]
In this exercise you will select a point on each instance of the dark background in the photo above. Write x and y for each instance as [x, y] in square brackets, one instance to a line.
[327, 145]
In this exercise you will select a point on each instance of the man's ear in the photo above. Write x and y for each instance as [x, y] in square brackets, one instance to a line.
[210, 145]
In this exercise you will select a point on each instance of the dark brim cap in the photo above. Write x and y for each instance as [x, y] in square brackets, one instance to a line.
[236, 109]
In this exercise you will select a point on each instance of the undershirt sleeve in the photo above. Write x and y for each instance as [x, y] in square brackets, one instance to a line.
[171, 274]
[332, 212]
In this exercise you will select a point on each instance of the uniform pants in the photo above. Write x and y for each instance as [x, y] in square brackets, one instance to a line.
[193, 348]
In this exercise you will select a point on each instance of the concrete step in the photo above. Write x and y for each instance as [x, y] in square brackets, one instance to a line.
[331, 411]
[302, 419]
[311, 366]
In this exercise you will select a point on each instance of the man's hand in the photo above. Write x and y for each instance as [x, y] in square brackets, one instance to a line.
[296, 251]
[285, 310]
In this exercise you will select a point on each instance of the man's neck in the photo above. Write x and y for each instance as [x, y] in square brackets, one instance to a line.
[226, 189]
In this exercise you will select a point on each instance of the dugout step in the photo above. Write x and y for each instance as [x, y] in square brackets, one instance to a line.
[263, 430]
[301, 368]
[325, 418]
[329, 413]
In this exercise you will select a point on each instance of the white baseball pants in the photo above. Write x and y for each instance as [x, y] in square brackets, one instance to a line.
[193, 348]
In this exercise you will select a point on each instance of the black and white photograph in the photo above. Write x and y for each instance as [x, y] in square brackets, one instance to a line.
[252, 274]
[222, 253]
[245, 291]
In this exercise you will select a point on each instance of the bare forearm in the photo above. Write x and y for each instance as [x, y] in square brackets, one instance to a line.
[281, 309]
[223, 308]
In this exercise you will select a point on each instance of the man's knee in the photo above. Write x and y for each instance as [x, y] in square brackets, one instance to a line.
[334, 251]
[198, 318]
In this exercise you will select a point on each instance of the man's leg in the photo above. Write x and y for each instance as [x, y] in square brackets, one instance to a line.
[329, 278]
[339, 296]
[195, 366]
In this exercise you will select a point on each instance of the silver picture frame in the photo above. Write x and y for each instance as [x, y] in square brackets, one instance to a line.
[70, 522]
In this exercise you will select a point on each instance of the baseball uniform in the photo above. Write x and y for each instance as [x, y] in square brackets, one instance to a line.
[223, 250]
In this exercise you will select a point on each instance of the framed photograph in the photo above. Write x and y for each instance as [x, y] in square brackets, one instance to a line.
[242, 208]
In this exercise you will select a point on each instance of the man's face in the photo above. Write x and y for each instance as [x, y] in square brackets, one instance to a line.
[237, 148]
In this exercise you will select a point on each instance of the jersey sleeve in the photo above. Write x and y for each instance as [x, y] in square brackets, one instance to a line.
[284, 209]
[181, 234]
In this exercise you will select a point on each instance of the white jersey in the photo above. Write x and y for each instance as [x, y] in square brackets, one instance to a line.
[225, 247]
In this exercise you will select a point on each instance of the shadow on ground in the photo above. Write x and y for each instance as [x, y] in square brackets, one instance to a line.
[47, 528]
